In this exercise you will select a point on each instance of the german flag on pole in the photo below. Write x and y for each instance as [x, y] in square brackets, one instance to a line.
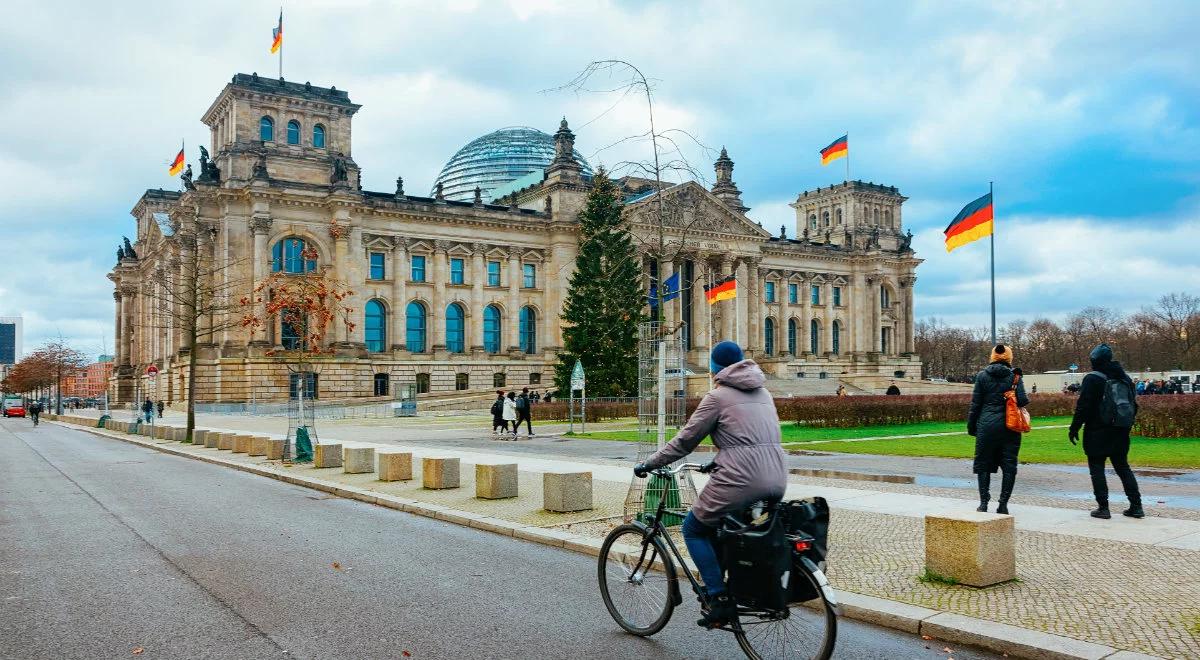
[971, 224]
[277, 35]
[839, 149]
[177, 164]
[723, 289]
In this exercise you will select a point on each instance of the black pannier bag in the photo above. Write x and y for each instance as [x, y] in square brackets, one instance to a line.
[808, 520]
[757, 560]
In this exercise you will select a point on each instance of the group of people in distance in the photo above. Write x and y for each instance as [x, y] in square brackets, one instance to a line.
[509, 410]
[1105, 411]
[148, 408]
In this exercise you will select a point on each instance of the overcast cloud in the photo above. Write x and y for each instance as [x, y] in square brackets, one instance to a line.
[1084, 114]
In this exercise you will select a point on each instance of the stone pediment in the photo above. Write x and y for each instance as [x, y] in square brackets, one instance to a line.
[377, 242]
[690, 208]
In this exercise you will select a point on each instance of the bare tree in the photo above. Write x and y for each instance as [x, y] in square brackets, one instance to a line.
[1176, 317]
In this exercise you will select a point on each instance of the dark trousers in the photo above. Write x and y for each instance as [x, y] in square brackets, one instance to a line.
[1120, 463]
[499, 423]
[523, 417]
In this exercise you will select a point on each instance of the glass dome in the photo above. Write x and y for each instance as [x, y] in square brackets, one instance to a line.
[496, 159]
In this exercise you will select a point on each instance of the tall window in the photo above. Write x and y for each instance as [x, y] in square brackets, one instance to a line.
[266, 129]
[377, 272]
[884, 335]
[838, 214]
[792, 336]
[769, 336]
[837, 296]
[825, 218]
[418, 268]
[422, 383]
[293, 132]
[462, 381]
[491, 329]
[530, 276]
[812, 220]
[291, 330]
[885, 300]
[414, 328]
[793, 294]
[319, 136]
[836, 337]
[528, 330]
[493, 273]
[814, 337]
[375, 326]
[815, 293]
[290, 256]
[305, 379]
[770, 292]
[455, 332]
[498, 379]
[456, 271]
[380, 382]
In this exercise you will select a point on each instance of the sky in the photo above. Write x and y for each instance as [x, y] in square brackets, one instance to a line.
[1085, 115]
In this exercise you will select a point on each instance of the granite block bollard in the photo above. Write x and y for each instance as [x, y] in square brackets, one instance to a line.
[358, 460]
[241, 443]
[566, 492]
[327, 456]
[393, 465]
[225, 441]
[258, 446]
[495, 481]
[275, 448]
[212, 439]
[439, 472]
[199, 436]
[975, 548]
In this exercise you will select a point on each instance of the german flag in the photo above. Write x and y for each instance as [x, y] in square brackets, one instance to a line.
[839, 149]
[277, 35]
[177, 164]
[723, 289]
[971, 224]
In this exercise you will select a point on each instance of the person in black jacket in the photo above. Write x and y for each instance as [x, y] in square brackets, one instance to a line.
[1100, 440]
[498, 414]
[995, 445]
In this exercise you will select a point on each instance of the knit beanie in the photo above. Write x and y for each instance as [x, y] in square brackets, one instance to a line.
[1101, 354]
[1002, 353]
[725, 354]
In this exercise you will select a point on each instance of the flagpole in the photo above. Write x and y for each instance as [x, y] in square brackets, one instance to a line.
[847, 156]
[993, 242]
[281, 42]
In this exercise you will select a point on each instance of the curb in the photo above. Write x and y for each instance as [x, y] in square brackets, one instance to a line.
[949, 627]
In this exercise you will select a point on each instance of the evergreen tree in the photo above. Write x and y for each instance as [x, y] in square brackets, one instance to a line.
[604, 303]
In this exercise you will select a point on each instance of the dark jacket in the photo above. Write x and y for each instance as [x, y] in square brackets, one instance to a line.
[498, 410]
[995, 444]
[892, 390]
[1100, 439]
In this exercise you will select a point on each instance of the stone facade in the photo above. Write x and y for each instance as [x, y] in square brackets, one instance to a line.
[420, 261]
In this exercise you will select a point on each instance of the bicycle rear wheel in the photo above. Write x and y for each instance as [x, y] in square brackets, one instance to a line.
[804, 631]
[637, 593]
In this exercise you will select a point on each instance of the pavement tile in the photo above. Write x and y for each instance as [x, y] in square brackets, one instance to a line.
[1004, 638]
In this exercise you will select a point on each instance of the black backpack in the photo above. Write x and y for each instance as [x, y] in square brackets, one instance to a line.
[497, 408]
[1117, 407]
[522, 403]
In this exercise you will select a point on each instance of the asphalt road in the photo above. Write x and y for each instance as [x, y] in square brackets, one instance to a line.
[107, 548]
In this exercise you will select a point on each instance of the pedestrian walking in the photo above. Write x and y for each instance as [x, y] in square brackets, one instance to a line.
[524, 414]
[161, 405]
[509, 413]
[841, 390]
[1033, 390]
[1106, 409]
[498, 423]
[996, 446]
[148, 411]
[893, 389]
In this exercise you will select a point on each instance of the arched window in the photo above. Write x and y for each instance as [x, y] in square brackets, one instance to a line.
[838, 213]
[491, 329]
[375, 326]
[825, 218]
[769, 336]
[422, 383]
[293, 132]
[885, 299]
[887, 218]
[319, 136]
[875, 216]
[266, 129]
[792, 336]
[414, 330]
[528, 330]
[292, 255]
[455, 333]
[814, 337]
[836, 337]
[812, 220]
[380, 382]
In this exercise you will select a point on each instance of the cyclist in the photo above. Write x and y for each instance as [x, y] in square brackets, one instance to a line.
[740, 416]
[35, 411]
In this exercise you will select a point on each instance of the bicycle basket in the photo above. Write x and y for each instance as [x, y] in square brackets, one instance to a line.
[757, 560]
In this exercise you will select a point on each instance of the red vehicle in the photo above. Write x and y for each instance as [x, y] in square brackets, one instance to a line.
[14, 407]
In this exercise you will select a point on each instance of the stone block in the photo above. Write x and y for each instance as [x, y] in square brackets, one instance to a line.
[212, 439]
[977, 549]
[258, 446]
[564, 492]
[225, 441]
[275, 448]
[495, 481]
[438, 472]
[199, 436]
[327, 456]
[179, 435]
[358, 460]
[241, 444]
[393, 465]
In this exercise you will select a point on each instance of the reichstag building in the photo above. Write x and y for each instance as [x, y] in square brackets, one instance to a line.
[461, 289]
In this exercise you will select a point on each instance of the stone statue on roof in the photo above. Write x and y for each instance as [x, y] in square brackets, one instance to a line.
[905, 242]
[209, 173]
[782, 231]
[340, 174]
[399, 186]
[120, 253]
[129, 253]
[187, 178]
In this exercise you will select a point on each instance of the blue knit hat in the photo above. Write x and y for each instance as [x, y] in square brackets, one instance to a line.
[725, 354]
[1101, 354]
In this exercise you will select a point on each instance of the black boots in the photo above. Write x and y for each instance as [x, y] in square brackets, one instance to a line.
[721, 610]
[1134, 510]
[985, 486]
[1006, 487]
[1102, 511]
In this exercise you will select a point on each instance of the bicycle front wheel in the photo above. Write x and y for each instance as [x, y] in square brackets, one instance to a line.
[804, 631]
[636, 579]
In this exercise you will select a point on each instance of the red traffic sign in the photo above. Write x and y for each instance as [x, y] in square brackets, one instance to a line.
[151, 370]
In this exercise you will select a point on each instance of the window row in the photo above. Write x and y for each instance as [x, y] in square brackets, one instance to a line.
[793, 294]
[306, 382]
[874, 216]
[793, 336]
[416, 328]
[266, 132]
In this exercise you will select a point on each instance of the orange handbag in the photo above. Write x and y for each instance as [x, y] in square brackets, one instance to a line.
[1016, 418]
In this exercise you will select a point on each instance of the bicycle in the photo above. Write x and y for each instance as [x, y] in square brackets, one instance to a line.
[637, 567]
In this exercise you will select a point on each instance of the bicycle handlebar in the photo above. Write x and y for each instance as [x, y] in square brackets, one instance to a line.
[669, 471]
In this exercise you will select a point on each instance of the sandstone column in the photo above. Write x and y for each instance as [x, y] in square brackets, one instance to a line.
[785, 315]
[400, 275]
[728, 307]
[909, 342]
[754, 307]
[341, 250]
[873, 301]
[437, 315]
[259, 226]
[478, 276]
[512, 317]
[701, 339]
[804, 295]
[828, 313]
[119, 327]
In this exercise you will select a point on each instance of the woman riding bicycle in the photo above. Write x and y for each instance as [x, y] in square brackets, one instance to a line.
[740, 416]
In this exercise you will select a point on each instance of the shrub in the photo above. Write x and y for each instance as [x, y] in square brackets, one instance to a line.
[1168, 416]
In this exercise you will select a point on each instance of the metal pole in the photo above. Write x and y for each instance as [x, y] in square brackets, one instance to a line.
[847, 156]
[583, 409]
[993, 246]
[662, 393]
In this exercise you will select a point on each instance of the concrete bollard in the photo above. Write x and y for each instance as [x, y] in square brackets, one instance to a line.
[495, 481]
[225, 441]
[327, 456]
[978, 549]
[198, 437]
[275, 449]
[393, 465]
[179, 435]
[439, 472]
[212, 439]
[241, 443]
[565, 492]
[258, 446]
[358, 460]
